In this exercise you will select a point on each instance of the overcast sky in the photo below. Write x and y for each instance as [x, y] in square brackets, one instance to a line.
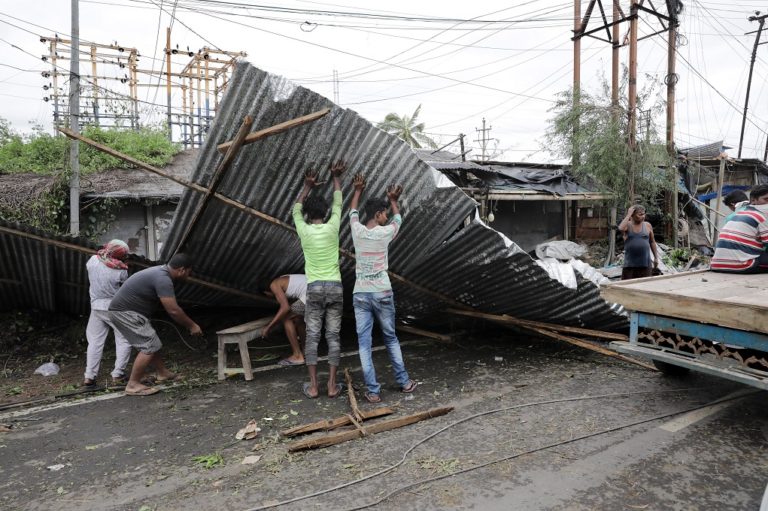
[462, 61]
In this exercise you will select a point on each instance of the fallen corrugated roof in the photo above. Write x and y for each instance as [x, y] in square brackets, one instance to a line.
[436, 260]
[42, 271]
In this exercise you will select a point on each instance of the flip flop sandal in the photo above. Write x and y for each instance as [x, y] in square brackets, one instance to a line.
[372, 398]
[305, 390]
[286, 363]
[339, 389]
[409, 387]
[143, 392]
[175, 377]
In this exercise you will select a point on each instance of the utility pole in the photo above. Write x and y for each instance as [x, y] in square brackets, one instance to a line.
[461, 144]
[760, 19]
[632, 96]
[577, 27]
[335, 86]
[74, 123]
[483, 140]
[671, 80]
[615, 61]
[168, 81]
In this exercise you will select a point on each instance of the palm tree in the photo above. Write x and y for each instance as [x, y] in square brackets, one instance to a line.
[407, 129]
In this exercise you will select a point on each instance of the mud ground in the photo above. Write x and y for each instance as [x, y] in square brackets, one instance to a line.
[536, 425]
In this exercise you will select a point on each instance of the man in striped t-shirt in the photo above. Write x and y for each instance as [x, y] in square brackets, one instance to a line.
[372, 297]
[742, 242]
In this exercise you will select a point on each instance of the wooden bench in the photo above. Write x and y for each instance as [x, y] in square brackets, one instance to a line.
[239, 335]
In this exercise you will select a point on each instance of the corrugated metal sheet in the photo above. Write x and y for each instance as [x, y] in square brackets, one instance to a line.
[474, 264]
[46, 272]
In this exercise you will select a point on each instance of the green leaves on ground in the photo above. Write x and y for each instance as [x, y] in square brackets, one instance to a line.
[209, 461]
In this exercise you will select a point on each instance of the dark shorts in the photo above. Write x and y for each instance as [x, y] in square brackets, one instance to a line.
[137, 330]
[635, 273]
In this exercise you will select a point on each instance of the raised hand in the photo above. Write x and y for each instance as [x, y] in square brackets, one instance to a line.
[338, 168]
[358, 182]
[311, 178]
[394, 191]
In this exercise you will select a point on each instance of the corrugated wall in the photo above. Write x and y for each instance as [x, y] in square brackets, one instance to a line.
[474, 265]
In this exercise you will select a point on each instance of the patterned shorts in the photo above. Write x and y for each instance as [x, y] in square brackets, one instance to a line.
[297, 308]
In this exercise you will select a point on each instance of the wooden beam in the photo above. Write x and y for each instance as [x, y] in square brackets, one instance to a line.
[328, 440]
[424, 333]
[277, 128]
[503, 318]
[327, 425]
[218, 174]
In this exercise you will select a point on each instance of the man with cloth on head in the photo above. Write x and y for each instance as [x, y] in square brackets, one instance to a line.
[106, 273]
[131, 309]
[285, 288]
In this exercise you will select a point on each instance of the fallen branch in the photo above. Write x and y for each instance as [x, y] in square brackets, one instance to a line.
[424, 333]
[337, 438]
[327, 425]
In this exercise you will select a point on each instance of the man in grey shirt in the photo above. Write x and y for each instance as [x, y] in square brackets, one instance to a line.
[131, 309]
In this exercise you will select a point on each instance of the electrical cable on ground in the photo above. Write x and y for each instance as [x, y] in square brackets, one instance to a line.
[489, 412]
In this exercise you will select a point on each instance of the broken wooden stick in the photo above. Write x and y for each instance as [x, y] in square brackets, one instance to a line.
[337, 438]
[503, 318]
[352, 399]
[327, 425]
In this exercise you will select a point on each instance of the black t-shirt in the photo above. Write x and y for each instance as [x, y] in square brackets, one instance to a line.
[142, 291]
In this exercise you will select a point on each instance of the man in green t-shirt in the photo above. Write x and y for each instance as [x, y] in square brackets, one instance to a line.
[320, 244]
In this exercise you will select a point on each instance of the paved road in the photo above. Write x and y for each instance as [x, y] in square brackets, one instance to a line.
[555, 427]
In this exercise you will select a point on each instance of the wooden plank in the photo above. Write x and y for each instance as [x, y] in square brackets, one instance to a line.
[277, 128]
[424, 333]
[326, 441]
[741, 315]
[246, 327]
[327, 425]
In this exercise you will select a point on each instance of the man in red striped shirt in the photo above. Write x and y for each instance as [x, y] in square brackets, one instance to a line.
[741, 247]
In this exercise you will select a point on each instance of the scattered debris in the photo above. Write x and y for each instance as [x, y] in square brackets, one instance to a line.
[249, 432]
[327, 425]
[4, 428]
[209, 461]
[250, 460]
[328, 440]
[56, 468]
[48, 369]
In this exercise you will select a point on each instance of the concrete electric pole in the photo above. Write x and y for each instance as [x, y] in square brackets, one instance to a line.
[74, 123]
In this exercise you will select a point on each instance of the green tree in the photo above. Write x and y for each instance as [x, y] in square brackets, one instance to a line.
[407, 128]
[593, 135]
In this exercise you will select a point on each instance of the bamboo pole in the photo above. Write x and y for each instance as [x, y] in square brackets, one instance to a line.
[538, 324]
[327, 425]
[277, 128]
[338, 438]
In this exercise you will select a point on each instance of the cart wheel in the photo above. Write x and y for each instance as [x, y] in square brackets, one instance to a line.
[670, 369]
